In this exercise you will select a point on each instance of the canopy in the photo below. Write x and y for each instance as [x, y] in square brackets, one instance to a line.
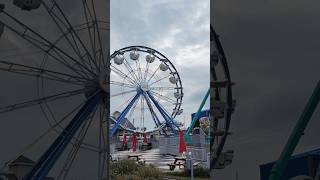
[134, 142]
[145, 140]
[182, 144]
[124, 137]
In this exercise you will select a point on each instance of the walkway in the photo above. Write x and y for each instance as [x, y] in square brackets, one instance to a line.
[151, 157]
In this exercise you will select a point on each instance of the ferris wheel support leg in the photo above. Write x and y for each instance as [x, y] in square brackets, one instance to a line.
[195, 118]
[48, 159]
[167, 118]
[154, 116]
[123, 114]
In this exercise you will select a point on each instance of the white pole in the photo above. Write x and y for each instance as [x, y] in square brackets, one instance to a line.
[191, 165]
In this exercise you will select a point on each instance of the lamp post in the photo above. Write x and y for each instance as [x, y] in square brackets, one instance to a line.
[191, 165]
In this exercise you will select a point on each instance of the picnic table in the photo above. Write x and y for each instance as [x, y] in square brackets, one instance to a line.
[135, 156]
[178, 161]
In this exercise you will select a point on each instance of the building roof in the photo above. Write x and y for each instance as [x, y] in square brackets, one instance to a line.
[125, 123]
[21, 160]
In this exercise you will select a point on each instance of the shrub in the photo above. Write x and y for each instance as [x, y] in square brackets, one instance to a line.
[123, 167]
[130, 170]
[148, 172]
[197, 172]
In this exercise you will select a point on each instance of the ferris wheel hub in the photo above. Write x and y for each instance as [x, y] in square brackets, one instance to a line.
[102, 80]
[144, 86]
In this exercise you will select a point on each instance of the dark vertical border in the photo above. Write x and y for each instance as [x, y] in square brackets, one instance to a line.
[220, 85]
[108, 91]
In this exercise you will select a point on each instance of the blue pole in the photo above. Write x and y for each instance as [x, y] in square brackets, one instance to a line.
[163, 113]
[123, 114]
[154, 116]
[48, 159]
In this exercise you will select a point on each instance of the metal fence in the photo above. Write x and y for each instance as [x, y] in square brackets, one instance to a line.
[198, 147]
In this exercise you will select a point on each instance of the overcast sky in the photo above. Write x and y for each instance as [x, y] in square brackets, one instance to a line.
[273, 54]
[178, 29]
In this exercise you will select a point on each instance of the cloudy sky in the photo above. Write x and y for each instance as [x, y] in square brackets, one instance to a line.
[273, 53]
[178, 29]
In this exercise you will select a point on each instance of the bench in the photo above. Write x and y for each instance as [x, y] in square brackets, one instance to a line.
[135, 156]
[172, 166]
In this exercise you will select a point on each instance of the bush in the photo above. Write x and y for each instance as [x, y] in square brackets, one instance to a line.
[123, 167]
[130, 170]
[149, 172]
[201, 172]
[197, 172]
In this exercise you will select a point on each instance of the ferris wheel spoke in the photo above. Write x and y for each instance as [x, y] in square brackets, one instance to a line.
[172, 101]
[40, 101]
[40, 72]
[152, 112]
[162, 88]
[121, 74]
[95, 35]
[92, 41]
[60, 23]
[102, 60]
[122, 84]
[160, 79]
[146, 71]
[125, 102]
[122, 93]
[75, 148]
[102, 143]
[130, 70]
[142, 111]
[162, 111]
[64, 25]
[44, 134]
[133, 108]
[154, 72]
[139, 70]
[40, 42]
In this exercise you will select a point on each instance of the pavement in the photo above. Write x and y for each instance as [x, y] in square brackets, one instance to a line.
[151, 157]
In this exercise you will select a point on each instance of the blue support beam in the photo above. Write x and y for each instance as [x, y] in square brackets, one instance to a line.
[154, 116]
[49, 158]
[123, 114]
[164, 114]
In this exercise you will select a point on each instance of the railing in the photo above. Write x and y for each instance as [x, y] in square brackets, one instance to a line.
[198, 147]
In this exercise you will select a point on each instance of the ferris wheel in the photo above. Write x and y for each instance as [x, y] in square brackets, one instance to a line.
[66, 53]
[148, 86]
[222, 104]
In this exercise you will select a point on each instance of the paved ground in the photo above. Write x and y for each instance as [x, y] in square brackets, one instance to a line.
[151, 157]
